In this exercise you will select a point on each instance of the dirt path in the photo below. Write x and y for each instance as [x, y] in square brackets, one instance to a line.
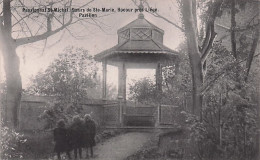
[120, 147]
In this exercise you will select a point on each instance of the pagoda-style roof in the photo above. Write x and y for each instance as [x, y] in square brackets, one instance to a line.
[142, 23]
[140, 37]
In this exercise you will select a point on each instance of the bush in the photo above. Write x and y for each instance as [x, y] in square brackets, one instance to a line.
[39, 145]
[29, 145]
[10, 143]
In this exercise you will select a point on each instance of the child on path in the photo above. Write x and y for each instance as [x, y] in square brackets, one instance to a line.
[89, 134]
[77, 136]
[61, 139]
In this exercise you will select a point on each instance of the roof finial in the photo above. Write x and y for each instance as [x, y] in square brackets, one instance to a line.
[141, 9]
[141, 6]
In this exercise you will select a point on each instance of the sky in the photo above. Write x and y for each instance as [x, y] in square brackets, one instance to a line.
[36, 57]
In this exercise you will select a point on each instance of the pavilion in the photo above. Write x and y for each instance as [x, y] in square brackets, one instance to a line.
[140, 45]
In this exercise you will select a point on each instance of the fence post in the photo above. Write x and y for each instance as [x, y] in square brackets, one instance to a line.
[158, 115]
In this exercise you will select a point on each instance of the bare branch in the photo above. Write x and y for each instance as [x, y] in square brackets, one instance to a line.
[45, 35]
[253, 18]
[252, 52]
[103, 22]
[45, 42]
[249, 25]
[232, 28]
[156, 14]
[205, 50]
[22, 28]
[98, 25]
[69, 31]
[167, 20]
[86, 4]
[224, 70]
[57, 40]
[210, 30]
[22, 18]
[21, 3]
[28, 28]
[41, 25]
[50, 32]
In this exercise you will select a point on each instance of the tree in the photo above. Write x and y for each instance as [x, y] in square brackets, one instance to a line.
[200, 38]
[176, 83]
[231, 105]
[177, 86]
[222, 81]
[143, 91]
[199, 54]
[20, 27]
[198, 51]
[229, 119]
[68, 78]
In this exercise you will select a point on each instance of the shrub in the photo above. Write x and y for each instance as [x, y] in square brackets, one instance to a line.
[39, 145]
[10, 143]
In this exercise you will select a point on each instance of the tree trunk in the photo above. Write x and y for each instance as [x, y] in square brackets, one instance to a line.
[13, 81]
[189, 21]
[257, 157]
[11, 66]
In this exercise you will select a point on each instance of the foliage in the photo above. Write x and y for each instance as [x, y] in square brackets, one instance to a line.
[229, 96]
[176, 84]
[2, 100]
[10, 143]
[226, 133]
[70, 79]
[143, 91]
[229, 124]
[39, 145]
[19, 27]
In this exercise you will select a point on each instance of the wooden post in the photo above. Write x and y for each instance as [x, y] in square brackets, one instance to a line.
[159, 78]
[104, 82]
[122, 81]
[159, 90]
[120, 110]
[121, 90]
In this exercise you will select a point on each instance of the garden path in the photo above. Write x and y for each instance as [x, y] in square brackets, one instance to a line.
[120, 147]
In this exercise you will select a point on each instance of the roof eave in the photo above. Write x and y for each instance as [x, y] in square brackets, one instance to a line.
[103, 55]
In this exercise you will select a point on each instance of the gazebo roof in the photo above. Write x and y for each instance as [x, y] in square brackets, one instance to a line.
[136, 47]
[140, 37]
[140, 22]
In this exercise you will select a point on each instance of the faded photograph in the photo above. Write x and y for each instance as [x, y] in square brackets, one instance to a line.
[129, 80]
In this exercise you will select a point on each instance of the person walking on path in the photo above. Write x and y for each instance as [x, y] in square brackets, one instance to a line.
[61, 139]
[89, 134]
[77, 136]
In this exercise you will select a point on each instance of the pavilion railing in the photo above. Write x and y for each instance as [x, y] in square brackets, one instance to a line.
[111, 114]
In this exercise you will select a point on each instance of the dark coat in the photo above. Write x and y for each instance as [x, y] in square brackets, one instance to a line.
[89, 133]
[61, 138]
[76, 130]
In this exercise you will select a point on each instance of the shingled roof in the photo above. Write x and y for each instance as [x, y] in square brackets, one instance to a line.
[140, 22]
[138, 37]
